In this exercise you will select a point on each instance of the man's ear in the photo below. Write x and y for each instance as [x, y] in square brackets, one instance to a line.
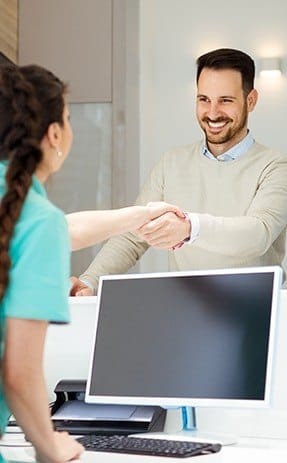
[54, 134]
[252, 98]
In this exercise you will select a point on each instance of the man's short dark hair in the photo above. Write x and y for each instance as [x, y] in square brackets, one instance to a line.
[228, 58]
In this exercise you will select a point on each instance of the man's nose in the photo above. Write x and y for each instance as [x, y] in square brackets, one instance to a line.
[214, 110]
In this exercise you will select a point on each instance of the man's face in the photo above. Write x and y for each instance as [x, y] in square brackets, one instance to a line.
[222, 108]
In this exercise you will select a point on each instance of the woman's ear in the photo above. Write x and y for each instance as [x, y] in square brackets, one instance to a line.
[54, 135]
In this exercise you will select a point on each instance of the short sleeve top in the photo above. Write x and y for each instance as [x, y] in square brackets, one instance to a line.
[40, 266]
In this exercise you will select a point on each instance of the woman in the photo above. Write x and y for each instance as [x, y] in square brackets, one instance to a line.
[35, 139]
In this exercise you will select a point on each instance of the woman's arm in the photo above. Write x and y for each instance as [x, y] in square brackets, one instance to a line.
[89, 227]
[25, 391]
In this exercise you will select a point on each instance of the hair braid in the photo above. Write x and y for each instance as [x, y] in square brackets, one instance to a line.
[20, 146]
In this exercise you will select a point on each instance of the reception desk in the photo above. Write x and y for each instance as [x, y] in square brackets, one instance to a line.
[262, 434]
[246, 451]
[67, 356]
[68, 347]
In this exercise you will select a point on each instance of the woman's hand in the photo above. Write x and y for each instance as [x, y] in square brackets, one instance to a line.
[65, 448]
[158, 208]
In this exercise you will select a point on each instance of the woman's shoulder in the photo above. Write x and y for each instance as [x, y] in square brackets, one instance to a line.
[39, 207]
[39, 217]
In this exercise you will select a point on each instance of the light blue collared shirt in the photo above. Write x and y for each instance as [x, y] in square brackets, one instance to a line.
[233, 153]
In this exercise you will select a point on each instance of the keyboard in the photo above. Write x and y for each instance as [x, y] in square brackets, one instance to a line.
[146, 446]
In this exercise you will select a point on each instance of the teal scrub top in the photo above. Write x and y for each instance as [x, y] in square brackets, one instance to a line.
[40, 267]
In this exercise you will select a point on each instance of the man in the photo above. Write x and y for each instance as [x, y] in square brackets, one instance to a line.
[233, 189]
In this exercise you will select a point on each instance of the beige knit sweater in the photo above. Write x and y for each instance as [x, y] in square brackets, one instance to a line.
[242, 207]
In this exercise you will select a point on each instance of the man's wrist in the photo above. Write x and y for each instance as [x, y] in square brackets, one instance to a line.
[195, 227]
[187, 239]
[189, 225]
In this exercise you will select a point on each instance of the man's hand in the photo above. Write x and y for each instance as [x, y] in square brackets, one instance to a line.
[78, 288]
[165, 232]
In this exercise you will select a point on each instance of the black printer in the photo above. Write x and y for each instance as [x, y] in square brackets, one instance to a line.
[71, 413]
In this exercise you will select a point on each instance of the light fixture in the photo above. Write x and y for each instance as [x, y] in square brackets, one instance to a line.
[270, 67]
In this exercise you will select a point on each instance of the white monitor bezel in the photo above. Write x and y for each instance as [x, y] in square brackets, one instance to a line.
[195, 402]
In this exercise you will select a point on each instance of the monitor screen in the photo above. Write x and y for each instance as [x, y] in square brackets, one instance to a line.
[185, 338]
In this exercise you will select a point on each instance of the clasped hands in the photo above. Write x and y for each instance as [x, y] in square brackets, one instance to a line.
[168, 231]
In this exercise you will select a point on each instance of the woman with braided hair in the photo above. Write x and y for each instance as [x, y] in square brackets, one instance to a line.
[35, 139]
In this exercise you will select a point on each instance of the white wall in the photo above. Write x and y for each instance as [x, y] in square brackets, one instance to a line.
[173, 33]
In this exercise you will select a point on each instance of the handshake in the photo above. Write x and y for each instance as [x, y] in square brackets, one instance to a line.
[168, 227]
[161, 225]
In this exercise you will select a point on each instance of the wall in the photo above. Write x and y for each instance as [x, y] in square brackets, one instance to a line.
[172, 34]
[72, 39]
[9, 28]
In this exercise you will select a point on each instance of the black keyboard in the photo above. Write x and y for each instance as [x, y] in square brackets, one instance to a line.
[146, 446]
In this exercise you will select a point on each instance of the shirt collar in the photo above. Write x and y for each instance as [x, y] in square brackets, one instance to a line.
[38, 186]
[233, 153]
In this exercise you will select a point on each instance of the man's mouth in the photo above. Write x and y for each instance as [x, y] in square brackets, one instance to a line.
[216, 125]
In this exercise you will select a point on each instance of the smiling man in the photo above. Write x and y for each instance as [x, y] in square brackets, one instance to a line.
[233, 189]
[222, 108]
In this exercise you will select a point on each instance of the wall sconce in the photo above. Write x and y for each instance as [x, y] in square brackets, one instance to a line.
[270, 67]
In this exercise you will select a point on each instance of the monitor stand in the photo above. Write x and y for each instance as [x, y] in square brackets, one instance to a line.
[181, 425]
[189, 429]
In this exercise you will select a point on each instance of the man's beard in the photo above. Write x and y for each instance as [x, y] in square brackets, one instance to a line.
[231, 133]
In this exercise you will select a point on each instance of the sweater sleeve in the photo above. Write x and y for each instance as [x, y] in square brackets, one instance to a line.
[250, 235]
[118, 255]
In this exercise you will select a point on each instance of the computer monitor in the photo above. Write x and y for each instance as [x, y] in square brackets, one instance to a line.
[203, 338]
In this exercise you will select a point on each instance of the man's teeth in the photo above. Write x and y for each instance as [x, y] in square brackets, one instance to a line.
[216, 125]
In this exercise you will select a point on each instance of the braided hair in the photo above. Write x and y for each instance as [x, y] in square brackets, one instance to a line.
[31, 98]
